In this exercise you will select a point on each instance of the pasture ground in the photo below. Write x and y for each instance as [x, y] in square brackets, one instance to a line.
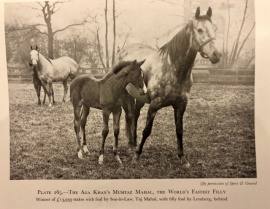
[219, 138]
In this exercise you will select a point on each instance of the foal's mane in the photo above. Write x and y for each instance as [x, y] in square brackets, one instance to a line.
[116, 69]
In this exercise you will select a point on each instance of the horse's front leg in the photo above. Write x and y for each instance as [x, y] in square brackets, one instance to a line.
[37, 85]
[179, 109]
[105, 131]
[48, 89]
[154, 106]
[116, 120]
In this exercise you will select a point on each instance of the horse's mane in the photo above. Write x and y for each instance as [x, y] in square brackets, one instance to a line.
[48, 59]
[116, 69]
[177, 47]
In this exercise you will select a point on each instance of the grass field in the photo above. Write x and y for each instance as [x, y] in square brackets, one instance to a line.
[219, 138]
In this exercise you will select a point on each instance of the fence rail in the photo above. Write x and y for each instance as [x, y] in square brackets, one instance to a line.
[200, 75]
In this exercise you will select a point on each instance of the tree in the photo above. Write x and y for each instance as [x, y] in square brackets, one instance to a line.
[106, 35]
[48, 9]
[114, 34]
[235, 53]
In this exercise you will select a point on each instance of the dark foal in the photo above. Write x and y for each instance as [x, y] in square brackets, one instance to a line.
[106, 95]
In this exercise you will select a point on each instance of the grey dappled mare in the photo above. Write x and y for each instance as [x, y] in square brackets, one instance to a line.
[168, 77]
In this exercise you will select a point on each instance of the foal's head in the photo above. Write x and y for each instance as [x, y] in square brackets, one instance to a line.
[34, 57]
[204, 35]
[134, 75]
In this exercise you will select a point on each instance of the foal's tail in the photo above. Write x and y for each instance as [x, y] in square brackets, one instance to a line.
[76, 86]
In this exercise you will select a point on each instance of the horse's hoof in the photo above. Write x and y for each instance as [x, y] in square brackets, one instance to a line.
[80, 155]
[50, 105]
[86, 151]
[100, 160]
[184, 163]
[118, 159]
[136, 158]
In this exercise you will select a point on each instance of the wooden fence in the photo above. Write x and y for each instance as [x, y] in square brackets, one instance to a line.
[200, 75]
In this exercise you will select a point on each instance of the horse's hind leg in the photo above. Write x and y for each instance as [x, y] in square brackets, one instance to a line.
[179, 109]
[105, 132]
[84, 115]
[44, 98]
[53, 95]
[116, 119]
[77, 105]
[65, 90]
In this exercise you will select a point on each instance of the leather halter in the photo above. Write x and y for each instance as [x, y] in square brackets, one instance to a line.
[202, 44]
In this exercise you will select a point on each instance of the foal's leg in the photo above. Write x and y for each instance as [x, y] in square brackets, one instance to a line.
[179, 109]
[105, 132]
[77, 106]
[84, 115]
[116, 119]
[65, 90]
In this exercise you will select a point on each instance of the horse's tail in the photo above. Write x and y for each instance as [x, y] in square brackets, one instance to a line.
[129, 117]
[73, 70]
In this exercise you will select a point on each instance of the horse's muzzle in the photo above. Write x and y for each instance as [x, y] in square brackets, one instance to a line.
[215, 58]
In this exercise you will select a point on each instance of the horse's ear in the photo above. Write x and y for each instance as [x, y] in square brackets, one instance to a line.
[134, 62]
[197, 14]
[31, 47]
[209, 12]
[36, 47]
[141, 63]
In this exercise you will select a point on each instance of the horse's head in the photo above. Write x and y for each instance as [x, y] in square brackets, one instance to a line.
[135, 76]
[34, 57]
[204, 35]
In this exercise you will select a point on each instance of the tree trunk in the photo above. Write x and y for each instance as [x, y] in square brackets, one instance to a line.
[240, 49]
[114, 34]
[106, 36]
[50, 42]
[99, 50]
[238, 37]
[227, 41]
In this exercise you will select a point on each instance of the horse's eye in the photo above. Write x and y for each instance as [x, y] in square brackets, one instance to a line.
[200, 30]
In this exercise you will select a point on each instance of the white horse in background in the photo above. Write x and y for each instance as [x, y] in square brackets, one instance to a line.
[49, 71]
